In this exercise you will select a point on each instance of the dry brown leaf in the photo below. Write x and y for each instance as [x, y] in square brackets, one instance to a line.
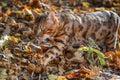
[110, 55]
[87, 72]
[53, 7]
[81, 73]
[31, 67]
[118, 62]
[37, 56]
[1, 14]
[71, 75]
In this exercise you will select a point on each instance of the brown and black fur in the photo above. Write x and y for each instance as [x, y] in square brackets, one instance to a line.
[66, 28]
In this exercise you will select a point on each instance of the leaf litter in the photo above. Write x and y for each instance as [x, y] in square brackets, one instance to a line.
[20, 48]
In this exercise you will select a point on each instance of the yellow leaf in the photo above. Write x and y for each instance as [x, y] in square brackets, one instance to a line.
[53, 7]
[101, 8]
[117, 53]
[8, 12]
[38, 10]
[12, 38]
[116, 4]
[76, 10]
[85, 4]
[18, 34]
[61, 78]
[0, 18]
[28, 50]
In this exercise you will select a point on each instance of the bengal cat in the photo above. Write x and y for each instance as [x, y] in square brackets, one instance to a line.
[66, 28]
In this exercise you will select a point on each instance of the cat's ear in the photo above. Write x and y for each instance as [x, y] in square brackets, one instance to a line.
[35, 14]
[52, 17]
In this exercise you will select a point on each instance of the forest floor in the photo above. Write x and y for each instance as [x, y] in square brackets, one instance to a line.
[19, 52]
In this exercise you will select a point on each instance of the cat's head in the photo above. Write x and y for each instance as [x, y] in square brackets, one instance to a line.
[47, 23]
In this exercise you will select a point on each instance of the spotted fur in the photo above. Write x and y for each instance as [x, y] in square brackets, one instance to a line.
[66, 28]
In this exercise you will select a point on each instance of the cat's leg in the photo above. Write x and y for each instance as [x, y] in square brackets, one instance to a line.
[111, 41]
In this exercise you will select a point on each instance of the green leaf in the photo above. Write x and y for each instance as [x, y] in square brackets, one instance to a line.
[3, 4]
[101, 56]
[52, 77]
[3, 73]
[83, 49]
[102, 61]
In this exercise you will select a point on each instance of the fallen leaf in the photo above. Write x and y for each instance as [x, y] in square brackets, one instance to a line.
[53, 7]
[31, 67]
[61, 78]
[117, 53]
[52, 77]
[81, 73]
[3, 73]
[8, 11]
[27, 50]
[14, 39]
[85, 4]
[3, 4]
[110, 55]
[1, 14]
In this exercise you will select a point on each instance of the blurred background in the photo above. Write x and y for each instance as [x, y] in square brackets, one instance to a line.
[76, 5]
